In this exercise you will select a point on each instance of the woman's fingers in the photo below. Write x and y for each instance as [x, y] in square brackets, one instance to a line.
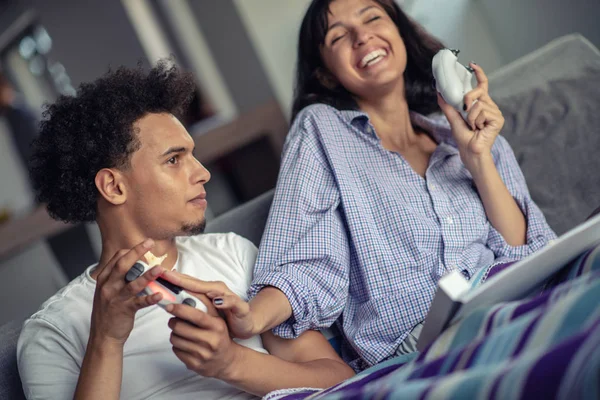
[238, 307]
[192, 284]
[481, 112]
[474, 96]
[453, 116]
[482, 80]
[481, 120]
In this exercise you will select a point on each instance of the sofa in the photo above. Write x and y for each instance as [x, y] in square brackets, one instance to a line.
[550, 100]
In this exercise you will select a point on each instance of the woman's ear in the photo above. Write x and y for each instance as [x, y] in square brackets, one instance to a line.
[110, 183]
[326, 79]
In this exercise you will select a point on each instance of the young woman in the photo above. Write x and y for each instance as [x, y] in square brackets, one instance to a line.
[375, 200]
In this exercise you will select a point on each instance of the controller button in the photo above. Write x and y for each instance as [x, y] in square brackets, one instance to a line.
[190, 302]
[134, 272]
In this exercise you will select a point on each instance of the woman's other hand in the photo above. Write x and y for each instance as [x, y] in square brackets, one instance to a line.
[235, 310]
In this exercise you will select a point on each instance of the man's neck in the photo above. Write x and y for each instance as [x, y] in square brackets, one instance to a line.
[115, 239]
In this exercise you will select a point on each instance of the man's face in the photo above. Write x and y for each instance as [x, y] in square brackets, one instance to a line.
[165, 182]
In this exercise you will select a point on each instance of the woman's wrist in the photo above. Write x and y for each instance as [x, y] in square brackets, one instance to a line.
[268, 309]
[480, 165]
[258, 322]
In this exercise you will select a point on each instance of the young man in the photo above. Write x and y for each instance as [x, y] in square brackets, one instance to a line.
[117, 154]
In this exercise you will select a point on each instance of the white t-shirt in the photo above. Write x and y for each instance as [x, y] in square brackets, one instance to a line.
[53, 341]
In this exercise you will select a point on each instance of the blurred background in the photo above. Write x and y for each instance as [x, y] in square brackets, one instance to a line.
[242, 53]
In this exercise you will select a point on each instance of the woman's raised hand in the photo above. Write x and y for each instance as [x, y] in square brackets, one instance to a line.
[475, 137]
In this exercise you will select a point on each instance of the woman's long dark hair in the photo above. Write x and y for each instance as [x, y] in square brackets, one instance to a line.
[418, 78]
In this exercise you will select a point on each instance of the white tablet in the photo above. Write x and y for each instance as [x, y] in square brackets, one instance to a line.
[453, 299]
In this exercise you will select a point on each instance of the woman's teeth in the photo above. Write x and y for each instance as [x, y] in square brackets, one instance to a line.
[373, 58]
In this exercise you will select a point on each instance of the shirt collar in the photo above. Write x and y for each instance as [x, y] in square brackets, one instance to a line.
[436, 124]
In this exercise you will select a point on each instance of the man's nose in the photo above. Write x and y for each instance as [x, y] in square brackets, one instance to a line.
[201, 174]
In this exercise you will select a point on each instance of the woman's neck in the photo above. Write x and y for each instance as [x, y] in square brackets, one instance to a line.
[390, 117]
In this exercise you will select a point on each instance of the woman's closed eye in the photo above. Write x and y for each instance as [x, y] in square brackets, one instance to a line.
[376, 17]
[337, 39]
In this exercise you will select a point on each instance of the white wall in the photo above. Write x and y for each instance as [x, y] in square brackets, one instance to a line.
[521, 26]
[459, 24]
[273, 27]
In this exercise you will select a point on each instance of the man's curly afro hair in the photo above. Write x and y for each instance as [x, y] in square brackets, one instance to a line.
[81, 135]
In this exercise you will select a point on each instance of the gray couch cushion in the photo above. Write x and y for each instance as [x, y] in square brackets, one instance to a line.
[247, 220]
[10, 383]
[551, 103]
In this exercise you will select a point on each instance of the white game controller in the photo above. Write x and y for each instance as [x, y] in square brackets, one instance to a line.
[172, 294]
[452, 79]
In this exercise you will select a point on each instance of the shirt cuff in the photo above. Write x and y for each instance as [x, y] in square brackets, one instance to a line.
[298, 323]
[537, 236]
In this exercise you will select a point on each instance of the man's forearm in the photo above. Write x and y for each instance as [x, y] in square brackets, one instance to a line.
[270, 307]
[259, 373]
[101, 371]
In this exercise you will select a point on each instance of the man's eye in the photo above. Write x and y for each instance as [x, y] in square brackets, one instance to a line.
[172, 160]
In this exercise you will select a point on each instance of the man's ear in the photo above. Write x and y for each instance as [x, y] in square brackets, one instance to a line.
[111, 185]
[326, 79]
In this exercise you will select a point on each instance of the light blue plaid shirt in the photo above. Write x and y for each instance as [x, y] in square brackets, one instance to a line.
[355, 233]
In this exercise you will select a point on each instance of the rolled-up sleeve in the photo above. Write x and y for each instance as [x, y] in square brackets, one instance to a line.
[304, 251]
[539, 232]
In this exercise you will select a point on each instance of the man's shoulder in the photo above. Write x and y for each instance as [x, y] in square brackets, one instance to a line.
[219, 254]
[228, 241]
[63, 320]
[69, 304]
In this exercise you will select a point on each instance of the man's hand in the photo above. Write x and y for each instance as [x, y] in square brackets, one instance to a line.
[202, 342]
[235, 310]
[116, 301]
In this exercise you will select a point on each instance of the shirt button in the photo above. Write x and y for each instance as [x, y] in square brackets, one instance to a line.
[466, 274]
[433, 187]
[449, 220]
